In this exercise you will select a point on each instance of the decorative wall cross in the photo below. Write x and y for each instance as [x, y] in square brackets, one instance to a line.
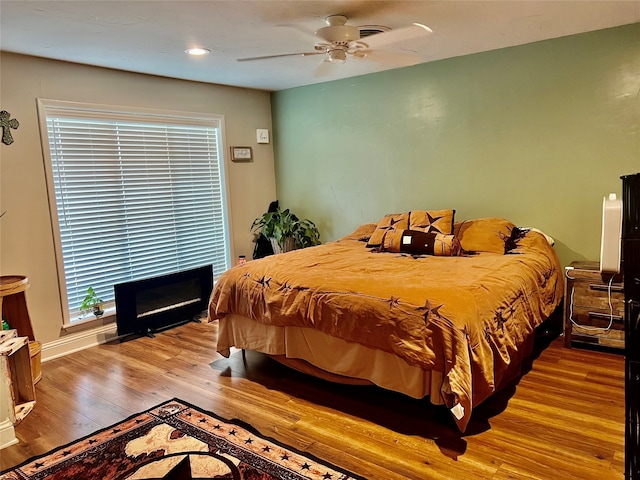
[7, 124]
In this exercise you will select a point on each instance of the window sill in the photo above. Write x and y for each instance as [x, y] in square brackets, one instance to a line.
[90, 320]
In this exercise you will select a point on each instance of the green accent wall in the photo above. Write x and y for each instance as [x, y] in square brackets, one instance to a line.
[538, 134]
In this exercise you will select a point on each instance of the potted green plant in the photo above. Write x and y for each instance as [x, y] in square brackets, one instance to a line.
[92, 303]
[286, 231]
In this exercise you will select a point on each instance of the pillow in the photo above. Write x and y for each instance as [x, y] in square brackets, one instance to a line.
[389, 223]
[549, 239]
[362, 233]
[432, 221]
[484, 235]
[421, 243]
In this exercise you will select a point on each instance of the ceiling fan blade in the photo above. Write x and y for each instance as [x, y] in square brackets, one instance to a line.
[412, 32]
[265, 57]
[392, 59]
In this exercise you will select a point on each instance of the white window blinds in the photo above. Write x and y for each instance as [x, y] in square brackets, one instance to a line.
[136, 195]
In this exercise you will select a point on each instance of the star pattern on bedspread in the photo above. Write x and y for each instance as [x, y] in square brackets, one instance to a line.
[265, 282]
[500, 320]
[547, 274]
[511, 241]
[429, 311]
[393, 302]
[472, 340]
[487, 333]
[465, 332]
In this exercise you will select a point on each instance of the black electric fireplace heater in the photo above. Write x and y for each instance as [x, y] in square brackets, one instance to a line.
[152, 304]
[631, 269]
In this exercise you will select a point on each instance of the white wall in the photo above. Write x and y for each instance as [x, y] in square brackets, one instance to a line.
[26, 239]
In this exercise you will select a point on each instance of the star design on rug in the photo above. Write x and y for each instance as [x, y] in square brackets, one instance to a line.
[182, 471]
[173, 428]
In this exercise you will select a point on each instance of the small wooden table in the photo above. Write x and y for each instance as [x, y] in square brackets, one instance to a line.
[13, 304]
[17, 390]
[593, 307]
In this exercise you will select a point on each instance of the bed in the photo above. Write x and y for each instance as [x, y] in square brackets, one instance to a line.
[449, 313]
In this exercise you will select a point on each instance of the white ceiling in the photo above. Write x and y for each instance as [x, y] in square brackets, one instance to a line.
[151, 36]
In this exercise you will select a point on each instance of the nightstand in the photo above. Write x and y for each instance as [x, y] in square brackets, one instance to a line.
[593, 307]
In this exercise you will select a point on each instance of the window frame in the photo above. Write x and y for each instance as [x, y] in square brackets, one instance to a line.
[92, 110]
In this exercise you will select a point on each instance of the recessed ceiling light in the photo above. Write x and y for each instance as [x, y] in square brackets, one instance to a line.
[198, 51]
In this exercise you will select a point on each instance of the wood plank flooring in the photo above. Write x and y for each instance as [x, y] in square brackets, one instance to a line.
[563, 419]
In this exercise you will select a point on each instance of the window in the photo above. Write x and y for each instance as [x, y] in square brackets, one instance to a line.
[133, 194]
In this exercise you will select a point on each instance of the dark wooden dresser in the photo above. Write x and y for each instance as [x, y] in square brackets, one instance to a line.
[593, 307]
[631, 265]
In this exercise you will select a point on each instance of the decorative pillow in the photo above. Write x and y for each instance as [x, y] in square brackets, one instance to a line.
[389, 223]
[432, 221]
[421, 243]
[485, 235]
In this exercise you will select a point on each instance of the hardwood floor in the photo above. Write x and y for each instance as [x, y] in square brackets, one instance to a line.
[563, 419]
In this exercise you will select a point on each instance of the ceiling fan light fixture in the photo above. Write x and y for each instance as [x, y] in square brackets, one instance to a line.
[337, 56]
[197, 51]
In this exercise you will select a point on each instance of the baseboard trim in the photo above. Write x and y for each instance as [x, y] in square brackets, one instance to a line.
[7, 434]
[79, 341]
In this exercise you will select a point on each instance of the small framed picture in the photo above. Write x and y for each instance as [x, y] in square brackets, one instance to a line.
[241, 154]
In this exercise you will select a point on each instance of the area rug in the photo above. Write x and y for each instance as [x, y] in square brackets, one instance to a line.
[176, 441]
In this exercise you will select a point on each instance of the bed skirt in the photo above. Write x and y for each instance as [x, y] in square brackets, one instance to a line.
[316, 353]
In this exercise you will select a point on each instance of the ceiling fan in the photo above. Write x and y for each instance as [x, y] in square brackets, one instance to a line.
[338, 40]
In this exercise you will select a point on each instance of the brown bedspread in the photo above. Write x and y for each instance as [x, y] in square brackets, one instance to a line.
[470, 317]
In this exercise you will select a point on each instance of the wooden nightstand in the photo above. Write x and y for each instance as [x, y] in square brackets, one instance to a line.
[593, 307]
